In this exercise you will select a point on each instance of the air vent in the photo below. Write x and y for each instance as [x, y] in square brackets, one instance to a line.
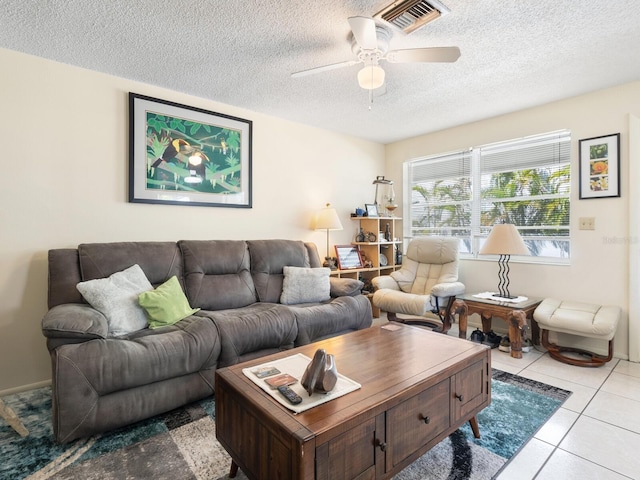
[410, 15]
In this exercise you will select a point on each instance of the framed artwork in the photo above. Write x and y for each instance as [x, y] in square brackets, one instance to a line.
[181, 155]
[348, 257]
[600, 167]
[372, 209]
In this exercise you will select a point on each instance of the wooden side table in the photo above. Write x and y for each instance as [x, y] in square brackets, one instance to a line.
[12, 419]
[514, 314]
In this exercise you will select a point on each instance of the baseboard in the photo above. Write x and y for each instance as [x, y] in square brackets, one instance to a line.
[24, 388]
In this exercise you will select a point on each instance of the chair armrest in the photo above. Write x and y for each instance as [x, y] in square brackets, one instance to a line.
[385, 281]
[448, 289]
[74, 321]
[345, 287]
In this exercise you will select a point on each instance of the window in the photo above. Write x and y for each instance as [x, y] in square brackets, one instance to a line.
[525, 182]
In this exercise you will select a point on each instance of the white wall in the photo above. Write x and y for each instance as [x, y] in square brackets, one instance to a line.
[64, 158]
[599, 270]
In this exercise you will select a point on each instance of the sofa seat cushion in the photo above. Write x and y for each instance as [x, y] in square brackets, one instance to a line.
[256, 330]
[141, 358]
[340, 315]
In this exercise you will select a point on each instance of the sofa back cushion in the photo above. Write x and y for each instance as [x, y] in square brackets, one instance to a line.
[216, 274]
[159, 260]
[268, 258]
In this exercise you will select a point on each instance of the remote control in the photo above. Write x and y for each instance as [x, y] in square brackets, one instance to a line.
[290, 395]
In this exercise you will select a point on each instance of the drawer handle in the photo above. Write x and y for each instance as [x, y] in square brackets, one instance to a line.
[383, 446]
[425, 418]
[460, 397]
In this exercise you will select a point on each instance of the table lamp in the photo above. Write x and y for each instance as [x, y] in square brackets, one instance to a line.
[327, 219]
[504, 240]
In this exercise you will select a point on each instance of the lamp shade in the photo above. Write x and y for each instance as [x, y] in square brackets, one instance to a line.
[504, 239]
[327, 219]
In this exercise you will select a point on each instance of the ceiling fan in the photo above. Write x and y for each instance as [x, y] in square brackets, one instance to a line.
[370, 44]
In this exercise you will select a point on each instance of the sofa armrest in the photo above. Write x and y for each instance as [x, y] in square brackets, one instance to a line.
[345, 287]
[385, 281]
[74, 321]
[448, 289]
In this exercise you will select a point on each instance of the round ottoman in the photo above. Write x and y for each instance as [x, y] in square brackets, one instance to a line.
[583, 319]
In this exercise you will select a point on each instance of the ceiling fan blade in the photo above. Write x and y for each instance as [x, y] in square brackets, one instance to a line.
[364, 31]
[324, 68]
[433, 54]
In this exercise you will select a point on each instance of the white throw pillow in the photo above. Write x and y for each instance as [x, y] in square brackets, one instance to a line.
[116, 298]
[305, 285]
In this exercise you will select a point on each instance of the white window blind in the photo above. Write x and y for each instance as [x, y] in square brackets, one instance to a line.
[524, 181]
[441, 195]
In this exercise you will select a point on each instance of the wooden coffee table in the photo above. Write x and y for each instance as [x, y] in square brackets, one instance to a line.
[417, 388]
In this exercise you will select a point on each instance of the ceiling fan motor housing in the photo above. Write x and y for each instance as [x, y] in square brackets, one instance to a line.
[371, 56]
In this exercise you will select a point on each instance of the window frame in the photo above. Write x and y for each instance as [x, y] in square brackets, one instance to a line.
[478, 233]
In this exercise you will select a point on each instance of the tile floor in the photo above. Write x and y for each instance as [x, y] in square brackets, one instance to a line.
[596, 432]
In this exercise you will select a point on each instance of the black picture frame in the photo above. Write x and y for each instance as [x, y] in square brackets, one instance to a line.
[348, 257]
[600, 167]
[183, 155]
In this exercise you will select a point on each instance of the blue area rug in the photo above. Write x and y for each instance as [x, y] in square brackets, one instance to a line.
[181, 444]
[517, 405]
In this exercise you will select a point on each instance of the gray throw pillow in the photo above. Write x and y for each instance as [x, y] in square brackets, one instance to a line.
[116, 297]
[305, 285]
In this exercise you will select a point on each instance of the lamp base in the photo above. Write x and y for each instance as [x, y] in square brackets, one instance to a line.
[507, 296]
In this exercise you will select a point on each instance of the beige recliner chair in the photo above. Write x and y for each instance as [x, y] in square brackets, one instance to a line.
[426, 284]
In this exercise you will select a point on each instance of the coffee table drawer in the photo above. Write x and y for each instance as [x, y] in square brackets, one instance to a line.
[471, 390]
[350, 455]
[416, 421]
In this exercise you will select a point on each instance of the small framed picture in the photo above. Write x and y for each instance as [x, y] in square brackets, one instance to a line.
[348, 257]
[372, 209]
[600, 167]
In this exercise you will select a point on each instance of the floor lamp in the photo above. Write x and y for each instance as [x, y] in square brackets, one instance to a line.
[504, 240]
[327, 219]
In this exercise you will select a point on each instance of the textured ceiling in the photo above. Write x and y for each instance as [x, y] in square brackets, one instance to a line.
[515, 54]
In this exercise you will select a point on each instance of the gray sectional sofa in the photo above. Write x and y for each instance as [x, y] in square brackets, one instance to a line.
[101, 382]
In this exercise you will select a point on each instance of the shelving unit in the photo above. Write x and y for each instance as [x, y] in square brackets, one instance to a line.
[373, 251]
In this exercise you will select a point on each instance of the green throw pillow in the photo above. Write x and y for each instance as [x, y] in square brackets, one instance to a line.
[166, 305]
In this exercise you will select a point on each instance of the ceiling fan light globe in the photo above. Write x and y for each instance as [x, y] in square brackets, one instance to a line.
[371, 77]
